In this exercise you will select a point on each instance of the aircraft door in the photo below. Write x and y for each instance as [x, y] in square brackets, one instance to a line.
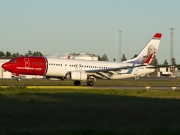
[76, 66]
[135, 71]
[80, 66]
[27, 64]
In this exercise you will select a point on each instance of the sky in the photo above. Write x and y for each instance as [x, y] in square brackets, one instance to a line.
[77, 26]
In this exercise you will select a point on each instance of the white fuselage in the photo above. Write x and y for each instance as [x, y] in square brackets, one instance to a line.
[60, 67]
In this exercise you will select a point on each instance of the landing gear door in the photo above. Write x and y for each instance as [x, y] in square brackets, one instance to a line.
[27, 64]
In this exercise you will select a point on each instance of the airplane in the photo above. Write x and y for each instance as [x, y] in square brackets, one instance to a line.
[86, 70]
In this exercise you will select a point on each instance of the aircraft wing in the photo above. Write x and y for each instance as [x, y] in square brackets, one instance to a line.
[104, 73]
[112, 69]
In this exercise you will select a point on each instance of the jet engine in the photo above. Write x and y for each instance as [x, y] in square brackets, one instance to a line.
[77, 75]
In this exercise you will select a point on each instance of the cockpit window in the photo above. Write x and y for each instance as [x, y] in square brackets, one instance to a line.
[14, 61]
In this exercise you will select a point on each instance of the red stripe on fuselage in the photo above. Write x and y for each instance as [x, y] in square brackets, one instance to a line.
[29, 65]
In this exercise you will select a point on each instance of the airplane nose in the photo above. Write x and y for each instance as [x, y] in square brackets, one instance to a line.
[8, 67]
[4, 66]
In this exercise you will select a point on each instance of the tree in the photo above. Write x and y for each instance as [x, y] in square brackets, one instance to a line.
[104, 58]
[8, 54]
[2, 54]
[173, 60]
[123, 58]
[37, 54]
[165, 63]
[99, 58]
[15, 54]
[40, 54]
[29, 53]
[155, 62]
[114, 59]
[135, 56]
[33, 53]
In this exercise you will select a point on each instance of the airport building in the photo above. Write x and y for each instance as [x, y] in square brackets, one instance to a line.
[170, 71]
[3, 73]
[81, 56]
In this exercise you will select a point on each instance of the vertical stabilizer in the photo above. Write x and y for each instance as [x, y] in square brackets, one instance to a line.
[148, 54]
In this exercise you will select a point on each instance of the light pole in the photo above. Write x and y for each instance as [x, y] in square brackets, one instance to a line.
[171, 50]
[120, 46]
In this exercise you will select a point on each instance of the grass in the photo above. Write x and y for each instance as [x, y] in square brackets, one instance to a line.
[88, 111]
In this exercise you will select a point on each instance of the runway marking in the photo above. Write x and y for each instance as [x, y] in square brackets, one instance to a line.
[57, 87]
[51, 87]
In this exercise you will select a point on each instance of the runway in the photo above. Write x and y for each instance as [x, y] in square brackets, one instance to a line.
[173, 88]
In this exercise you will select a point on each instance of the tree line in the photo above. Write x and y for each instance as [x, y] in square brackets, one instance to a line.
[29, 53]
[165, 63]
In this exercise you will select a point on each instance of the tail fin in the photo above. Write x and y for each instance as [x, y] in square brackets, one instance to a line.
[148, 54]
[68, 57]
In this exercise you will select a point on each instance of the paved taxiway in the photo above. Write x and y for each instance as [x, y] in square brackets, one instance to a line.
[166, 88]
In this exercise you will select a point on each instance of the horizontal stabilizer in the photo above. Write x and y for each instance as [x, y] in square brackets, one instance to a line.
[159, 66]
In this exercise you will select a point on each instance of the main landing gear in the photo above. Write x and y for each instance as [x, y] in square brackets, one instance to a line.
[90, 83]
[78, 83]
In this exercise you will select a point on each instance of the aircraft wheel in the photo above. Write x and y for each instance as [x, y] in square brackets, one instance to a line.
[90, 83]
[18, 79]
[77, 83]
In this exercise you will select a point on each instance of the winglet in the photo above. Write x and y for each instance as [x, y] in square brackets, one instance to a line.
[68, 57]
[157, 35]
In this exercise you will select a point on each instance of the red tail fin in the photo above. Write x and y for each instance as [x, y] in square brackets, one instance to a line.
[157, 35]
[68, 57]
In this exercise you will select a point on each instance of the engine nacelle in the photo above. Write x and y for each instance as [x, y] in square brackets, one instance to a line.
[77, 75]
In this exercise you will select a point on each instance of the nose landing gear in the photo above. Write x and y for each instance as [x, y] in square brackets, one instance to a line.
[18, 79]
